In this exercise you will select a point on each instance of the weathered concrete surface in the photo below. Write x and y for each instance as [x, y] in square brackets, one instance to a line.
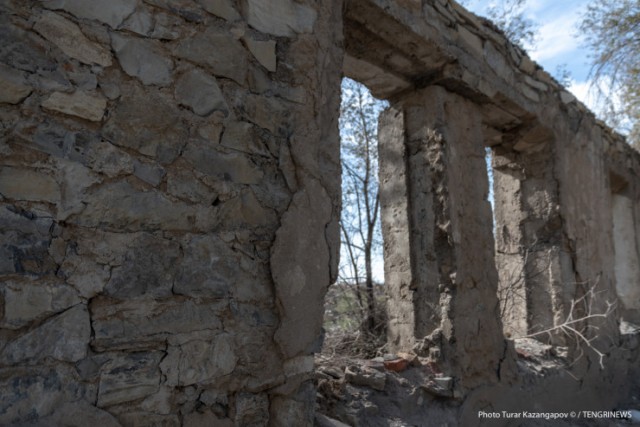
[447, 230]
[627, 265]
[553, 164]
[530, 248]
[170, 195]
[394, 210]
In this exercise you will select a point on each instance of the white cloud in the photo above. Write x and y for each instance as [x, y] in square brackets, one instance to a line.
[556, 38]
[582, 91]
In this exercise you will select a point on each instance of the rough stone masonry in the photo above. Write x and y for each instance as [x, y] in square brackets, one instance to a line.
[170, 196]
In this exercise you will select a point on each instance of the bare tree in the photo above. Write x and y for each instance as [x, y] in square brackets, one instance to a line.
[581, 324]
[361, 199]
[509, 16]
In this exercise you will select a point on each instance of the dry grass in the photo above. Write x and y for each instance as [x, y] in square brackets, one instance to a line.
[346, 332]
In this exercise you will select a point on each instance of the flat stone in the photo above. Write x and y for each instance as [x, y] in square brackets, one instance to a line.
[139, 116]
[25, 239]
[143, 59]
[159, 402]
[146, 323]
[113, 12]
[148, 268]
[334, 372]
[373, 379]
[381, 83]
[186, 10]
[27, 184]
[251, 409]
[536, 84]
[212, 49]
[234, 167]
[209, 268]
[444, 382]
[75, 179]
[263, 51]
[245, 211]
[140, 22]
[200, 361]
[471, 40]
[119, 205]
[150, 173]
[211, 132]
[84, 80]
[105, 158]
[221, 8]
[168, 26]
[26, 302]
[185, 185]
[242, 136]
[530, 93]
[498, 62]
[64, 337]
[527, 65]
[436, 389]
[67, 36]
[212, 268]
[268, 112]
[13, 87]
[280, 17]
[200, 92]
[86, 275]
[129, 377]
[79, 104]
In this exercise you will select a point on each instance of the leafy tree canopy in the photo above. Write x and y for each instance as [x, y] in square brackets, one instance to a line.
[611, 30]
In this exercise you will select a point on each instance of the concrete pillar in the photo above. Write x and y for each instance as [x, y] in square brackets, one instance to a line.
[446, 231]
[530, 251]
[394, 207]
[627, 267]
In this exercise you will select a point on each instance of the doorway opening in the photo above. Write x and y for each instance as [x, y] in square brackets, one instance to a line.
[355, 318]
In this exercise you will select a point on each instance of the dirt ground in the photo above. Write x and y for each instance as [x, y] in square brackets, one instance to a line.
[403, 390]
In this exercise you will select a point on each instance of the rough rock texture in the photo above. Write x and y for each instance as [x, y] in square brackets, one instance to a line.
[452, 290]
[158, 165]
[170, 196]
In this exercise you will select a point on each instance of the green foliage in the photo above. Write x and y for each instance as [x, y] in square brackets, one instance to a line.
[611, 29]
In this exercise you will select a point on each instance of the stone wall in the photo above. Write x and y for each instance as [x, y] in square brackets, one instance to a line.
[159, 161]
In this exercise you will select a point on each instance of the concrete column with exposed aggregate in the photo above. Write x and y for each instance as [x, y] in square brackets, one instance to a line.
[448, 273]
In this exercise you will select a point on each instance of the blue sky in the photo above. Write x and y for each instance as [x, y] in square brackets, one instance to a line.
[559, 42]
